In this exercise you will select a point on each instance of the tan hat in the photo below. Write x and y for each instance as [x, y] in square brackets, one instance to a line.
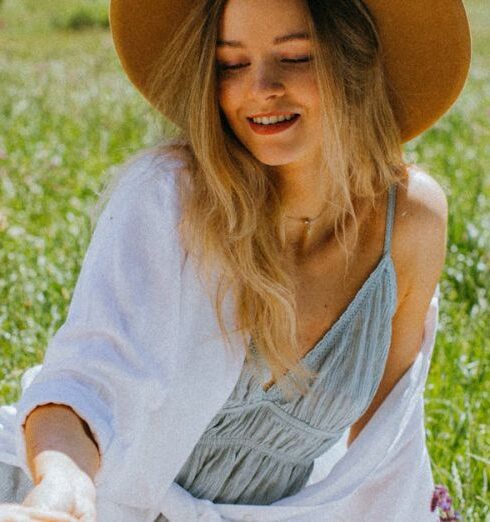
[427, 50]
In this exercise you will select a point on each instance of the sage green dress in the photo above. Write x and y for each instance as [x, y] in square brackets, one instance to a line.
[259, 447]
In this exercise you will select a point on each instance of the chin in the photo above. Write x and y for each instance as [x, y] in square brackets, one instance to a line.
[271, 157]
[274, 160]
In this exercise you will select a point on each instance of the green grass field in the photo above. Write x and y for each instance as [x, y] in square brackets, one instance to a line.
[69, 115]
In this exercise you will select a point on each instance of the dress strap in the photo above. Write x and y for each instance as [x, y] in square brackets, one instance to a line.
[390, 213]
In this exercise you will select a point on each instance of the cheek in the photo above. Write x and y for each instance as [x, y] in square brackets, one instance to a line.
[309, 90]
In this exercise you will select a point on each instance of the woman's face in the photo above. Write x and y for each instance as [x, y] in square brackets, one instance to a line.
[265, 79]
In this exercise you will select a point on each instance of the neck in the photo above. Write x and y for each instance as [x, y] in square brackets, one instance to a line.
[307, 206]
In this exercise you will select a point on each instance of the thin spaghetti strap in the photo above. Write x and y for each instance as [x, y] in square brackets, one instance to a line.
[390, 213]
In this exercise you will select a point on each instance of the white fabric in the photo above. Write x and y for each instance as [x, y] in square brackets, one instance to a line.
[141, 359]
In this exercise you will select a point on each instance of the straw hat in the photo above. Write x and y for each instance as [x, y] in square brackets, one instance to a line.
[426, 45]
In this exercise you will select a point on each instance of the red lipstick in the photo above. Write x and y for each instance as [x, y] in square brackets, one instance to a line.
[272, 128]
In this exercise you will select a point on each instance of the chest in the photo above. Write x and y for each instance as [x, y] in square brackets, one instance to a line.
[326, 287]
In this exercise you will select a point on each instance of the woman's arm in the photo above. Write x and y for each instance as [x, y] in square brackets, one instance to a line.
[56, 439]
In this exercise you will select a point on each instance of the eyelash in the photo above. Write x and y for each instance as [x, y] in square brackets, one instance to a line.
[239, 66]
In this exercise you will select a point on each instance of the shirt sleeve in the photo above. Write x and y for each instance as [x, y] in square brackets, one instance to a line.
[111, 361]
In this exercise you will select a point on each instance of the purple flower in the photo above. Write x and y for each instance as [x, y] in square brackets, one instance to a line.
[442, 500]
[445, 503]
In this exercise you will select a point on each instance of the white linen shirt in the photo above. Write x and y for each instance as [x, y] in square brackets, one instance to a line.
[140, 358]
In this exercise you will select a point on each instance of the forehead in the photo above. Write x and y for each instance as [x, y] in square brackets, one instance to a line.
[242, 20]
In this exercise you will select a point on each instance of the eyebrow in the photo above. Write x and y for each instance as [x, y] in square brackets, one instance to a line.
[278, 40]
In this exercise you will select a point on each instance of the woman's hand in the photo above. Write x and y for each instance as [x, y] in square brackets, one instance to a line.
[65, 494]
[18, 513]
[71, 492]
[61, 485]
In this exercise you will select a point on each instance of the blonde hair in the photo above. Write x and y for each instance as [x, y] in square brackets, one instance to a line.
[231, 210]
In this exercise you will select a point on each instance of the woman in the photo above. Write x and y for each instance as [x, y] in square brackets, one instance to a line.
[285, 194]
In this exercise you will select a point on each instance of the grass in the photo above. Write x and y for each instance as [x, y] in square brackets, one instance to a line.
[68, 115]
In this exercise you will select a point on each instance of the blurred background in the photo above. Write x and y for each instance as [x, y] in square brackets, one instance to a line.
[68, 116]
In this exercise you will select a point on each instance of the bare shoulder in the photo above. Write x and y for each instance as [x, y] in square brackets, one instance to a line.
[420, 230]
[423, 196]
[418, 252]
[419, 256]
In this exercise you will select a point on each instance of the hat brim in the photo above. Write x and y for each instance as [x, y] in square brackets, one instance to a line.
[426, 50]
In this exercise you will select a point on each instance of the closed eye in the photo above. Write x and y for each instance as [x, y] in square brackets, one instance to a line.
[298, 60]
[225, 67]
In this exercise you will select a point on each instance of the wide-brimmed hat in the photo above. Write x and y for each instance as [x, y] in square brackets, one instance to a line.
[426, 50]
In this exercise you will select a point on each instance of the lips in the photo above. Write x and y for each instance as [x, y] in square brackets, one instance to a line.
[272, 128]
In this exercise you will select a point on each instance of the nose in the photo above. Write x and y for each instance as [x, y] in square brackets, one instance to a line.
[266, 81]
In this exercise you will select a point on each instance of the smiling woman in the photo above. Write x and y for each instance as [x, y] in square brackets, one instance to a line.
[304, 185]
[280, 222]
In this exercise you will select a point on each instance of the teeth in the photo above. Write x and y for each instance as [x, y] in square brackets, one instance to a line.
[273, 119]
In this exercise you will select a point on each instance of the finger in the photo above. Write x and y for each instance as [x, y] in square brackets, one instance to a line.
[45, 515]
[53, 516]
[47, 518]
[38, 506]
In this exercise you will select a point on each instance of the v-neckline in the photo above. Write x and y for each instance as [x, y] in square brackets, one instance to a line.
[348, 312]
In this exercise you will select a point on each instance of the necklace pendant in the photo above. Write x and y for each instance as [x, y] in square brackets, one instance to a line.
[307, 222]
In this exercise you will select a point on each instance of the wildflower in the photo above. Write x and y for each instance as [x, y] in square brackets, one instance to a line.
[442, 500]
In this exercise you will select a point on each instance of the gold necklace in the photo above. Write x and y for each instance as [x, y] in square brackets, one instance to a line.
[307, 221]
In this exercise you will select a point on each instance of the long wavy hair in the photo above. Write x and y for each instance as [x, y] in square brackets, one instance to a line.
[231, 209]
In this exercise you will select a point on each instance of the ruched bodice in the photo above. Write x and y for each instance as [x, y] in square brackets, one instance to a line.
[259, 447]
